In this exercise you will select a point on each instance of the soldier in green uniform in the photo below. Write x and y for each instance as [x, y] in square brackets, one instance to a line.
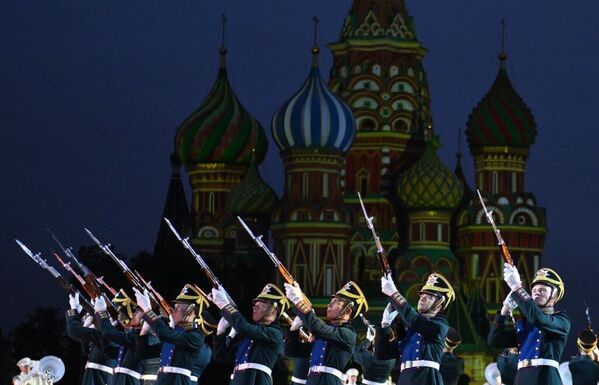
[182, 343]
[421, 341]
[100, 353]
[584, 367]
[374, 371]
[507, 364]
[540, 333]
[335, 340]
[128, 366]
[259, 343]
[452, 366]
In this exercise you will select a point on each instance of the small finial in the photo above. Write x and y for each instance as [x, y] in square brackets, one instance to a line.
[315, 49]
[459, 153]
[502, 54]
[223, 49]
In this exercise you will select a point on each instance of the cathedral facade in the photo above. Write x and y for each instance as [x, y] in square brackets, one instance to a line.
[368, 129]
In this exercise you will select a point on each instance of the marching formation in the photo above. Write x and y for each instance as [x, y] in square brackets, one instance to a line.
[138, 337]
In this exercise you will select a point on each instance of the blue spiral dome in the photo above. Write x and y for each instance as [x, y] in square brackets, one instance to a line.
[314, 118]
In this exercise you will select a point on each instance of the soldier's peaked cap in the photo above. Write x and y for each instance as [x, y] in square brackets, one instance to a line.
[436, 284]
[271, 293]
[352, 293]
[549, 277]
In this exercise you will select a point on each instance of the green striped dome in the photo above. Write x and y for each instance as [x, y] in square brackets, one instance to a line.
[428, 184]
[252, 196]
[220, 130]
[501, 118]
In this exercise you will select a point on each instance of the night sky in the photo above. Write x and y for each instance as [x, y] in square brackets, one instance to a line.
[92, 93]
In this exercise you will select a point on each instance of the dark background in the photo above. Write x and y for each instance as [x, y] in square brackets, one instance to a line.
[92, 93]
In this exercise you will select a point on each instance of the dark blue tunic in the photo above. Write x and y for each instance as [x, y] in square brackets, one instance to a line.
[126, 354]
[373, 369]
[584, 370]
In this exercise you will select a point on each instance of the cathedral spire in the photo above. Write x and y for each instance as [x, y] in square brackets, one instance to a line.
[502, 54]
[223, 49]
[315, 49]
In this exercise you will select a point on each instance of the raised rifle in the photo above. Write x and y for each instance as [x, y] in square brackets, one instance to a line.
[131, 277]
[588, 314]
[209, 274]
[500, 242]
[380, 251]
[102, 282]
[287, 277]
[62, 280]
[90, 284]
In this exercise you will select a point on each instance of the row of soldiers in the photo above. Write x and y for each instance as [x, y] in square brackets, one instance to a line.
[417, 339]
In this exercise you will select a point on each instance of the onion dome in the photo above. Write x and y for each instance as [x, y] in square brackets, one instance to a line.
[252, 196]
[501, 118]
[314, 117]
[220, 130]
[428, 184]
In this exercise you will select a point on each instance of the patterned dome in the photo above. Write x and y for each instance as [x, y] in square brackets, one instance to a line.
[252, 196]
[220, 130]
[314, 118]
[501, 118]
[428, 184]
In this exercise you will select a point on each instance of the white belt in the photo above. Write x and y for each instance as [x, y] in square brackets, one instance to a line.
[194, 378]
[104, 368]
[326, 369]
[418, 364]
[368, 382]
[175, 370]
[128, 372]
[297, 380]
[538, 362]
[252, 365]
[149, 377]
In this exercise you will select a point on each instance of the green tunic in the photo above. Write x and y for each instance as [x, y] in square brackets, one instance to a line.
[333, 347]
[257, 344]
[584, 370]
[451, 368]
[180, 349]
[538, 335]
[420, 338]
[126, 354]
[373, 369]
[100, 351]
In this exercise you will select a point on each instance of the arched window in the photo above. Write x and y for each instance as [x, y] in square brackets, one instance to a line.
[305, 185]
[211, 203]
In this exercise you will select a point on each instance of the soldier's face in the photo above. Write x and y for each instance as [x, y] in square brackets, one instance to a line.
[426, 302]
[261, 311]
[541, 294]
[180, 312]
[24, 369]
[335, 308]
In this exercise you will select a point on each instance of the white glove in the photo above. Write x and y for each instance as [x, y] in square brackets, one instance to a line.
[511, 276]
[74, 302]
[510, 303]
[222, 326]
[145, 329]
[232, 333]
[171, 321]
[387, 285]
[143, 299]
[219, 297]
[370, 332]
[88, 321]
[296, 324]
[388, 316]
[293, 293]
[99, 304]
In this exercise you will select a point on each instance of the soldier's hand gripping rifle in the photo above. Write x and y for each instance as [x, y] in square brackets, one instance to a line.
[164, 303]
[304, 335]
[367, 323]
[500, 242]
[209, 274]
[131, 277]
[62, 280]
[380, 251]
[287, 277]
